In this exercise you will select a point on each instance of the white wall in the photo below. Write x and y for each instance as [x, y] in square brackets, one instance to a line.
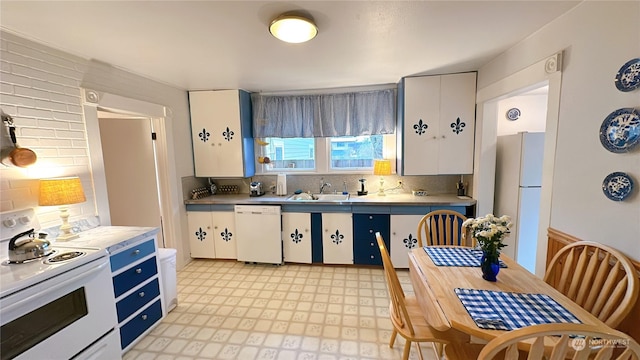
[597, 38]
[533, 116]
[40, 89]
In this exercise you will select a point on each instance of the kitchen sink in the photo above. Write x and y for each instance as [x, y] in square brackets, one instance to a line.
[319, 197]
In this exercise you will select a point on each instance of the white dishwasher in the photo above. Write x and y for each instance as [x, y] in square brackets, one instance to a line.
[259, 233]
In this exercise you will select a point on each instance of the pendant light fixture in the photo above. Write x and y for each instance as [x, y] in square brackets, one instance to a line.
[293, 28]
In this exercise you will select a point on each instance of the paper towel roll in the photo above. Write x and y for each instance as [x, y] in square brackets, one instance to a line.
[281, 185]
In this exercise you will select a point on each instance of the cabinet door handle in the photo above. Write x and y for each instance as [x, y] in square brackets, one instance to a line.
[435, 137]
[136, 252]
[372, 256]
[371, 244]
[306, 230]
[215, 227]
[141, 294]
[370, 231]
[443, 136]
[138, 271]
[144, 316]
[370, 217]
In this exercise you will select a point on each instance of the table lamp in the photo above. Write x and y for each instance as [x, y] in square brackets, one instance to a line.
[382, 168]
[62, 192]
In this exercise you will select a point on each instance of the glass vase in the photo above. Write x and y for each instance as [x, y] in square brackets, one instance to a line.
[490, 266]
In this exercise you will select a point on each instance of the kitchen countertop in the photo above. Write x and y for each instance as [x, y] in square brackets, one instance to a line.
[110, 238]
[371, 199]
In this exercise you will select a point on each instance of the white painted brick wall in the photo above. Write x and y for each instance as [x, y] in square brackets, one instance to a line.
[55, 77]
[40, 90]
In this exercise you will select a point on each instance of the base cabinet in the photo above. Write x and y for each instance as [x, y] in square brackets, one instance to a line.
[404, 238]
[296, 237]
[337, 238]
[365, 247]
[212, 234]
[200, 226]
[136, 288]
[224, 238]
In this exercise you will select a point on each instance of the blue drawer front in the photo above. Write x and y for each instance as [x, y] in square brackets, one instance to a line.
[365, 246]
[136, 326]
[137, 300]
[132, 255]
[128, 279]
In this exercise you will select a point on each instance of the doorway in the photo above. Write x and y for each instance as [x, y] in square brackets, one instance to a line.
[547, 71]
[130, 124]
[129, 156]
[521, 124]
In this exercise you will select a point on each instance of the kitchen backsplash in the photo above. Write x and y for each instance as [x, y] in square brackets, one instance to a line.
[436, 184]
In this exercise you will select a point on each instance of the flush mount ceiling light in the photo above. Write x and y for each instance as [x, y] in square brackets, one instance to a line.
[293, 28]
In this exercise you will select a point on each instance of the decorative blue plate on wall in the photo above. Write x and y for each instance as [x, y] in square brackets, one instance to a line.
[617, 186]
[628, 77]
[620, 131]
[513, 114]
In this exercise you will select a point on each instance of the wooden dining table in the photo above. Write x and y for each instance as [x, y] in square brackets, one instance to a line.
[434, 288]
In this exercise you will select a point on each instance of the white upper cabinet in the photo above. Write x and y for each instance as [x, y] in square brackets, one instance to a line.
[437, 120]
[221, 133]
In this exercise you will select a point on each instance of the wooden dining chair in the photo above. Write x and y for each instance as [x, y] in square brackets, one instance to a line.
[407, 317]
[565, 340]
[597, 277]
[442, 227]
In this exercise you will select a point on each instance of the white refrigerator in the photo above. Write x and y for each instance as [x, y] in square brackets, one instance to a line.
[517, 192]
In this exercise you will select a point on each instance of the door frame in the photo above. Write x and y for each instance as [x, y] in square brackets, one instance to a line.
[548, 71]
[92, 101]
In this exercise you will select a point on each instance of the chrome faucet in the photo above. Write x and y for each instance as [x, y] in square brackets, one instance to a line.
[324, 185]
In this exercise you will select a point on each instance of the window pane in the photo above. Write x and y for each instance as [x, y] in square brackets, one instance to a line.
[290, 153]
[356, 152]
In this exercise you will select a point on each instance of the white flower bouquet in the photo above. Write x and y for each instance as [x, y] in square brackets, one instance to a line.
[489, 231]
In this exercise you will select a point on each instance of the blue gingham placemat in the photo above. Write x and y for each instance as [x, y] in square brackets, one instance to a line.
[455, 256]
[499, 310]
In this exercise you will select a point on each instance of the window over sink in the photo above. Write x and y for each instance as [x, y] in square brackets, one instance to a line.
[343, 154]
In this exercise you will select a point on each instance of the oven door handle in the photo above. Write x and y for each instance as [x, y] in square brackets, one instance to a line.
[55, 287]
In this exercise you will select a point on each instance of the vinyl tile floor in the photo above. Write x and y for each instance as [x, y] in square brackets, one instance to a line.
[232, 310]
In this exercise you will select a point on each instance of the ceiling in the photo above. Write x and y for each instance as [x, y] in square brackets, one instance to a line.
[226, 44]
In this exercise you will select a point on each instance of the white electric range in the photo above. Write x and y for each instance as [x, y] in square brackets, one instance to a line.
[58, 306]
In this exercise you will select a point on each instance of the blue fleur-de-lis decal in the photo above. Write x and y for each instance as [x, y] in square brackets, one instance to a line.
[296, 236]
[337, 237]
[420, 127]
[200, 234]
[204, 135]
[228, 134]
[410, 242]
[226, 235]
[457, 126]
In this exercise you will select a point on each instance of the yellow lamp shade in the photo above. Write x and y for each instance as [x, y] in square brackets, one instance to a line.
[61, 191]
[382, 167]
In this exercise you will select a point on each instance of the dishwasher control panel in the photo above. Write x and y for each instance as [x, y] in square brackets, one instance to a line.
[257, 209]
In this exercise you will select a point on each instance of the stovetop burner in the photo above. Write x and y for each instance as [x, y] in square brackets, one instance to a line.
[66, 256]
[39, 258]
